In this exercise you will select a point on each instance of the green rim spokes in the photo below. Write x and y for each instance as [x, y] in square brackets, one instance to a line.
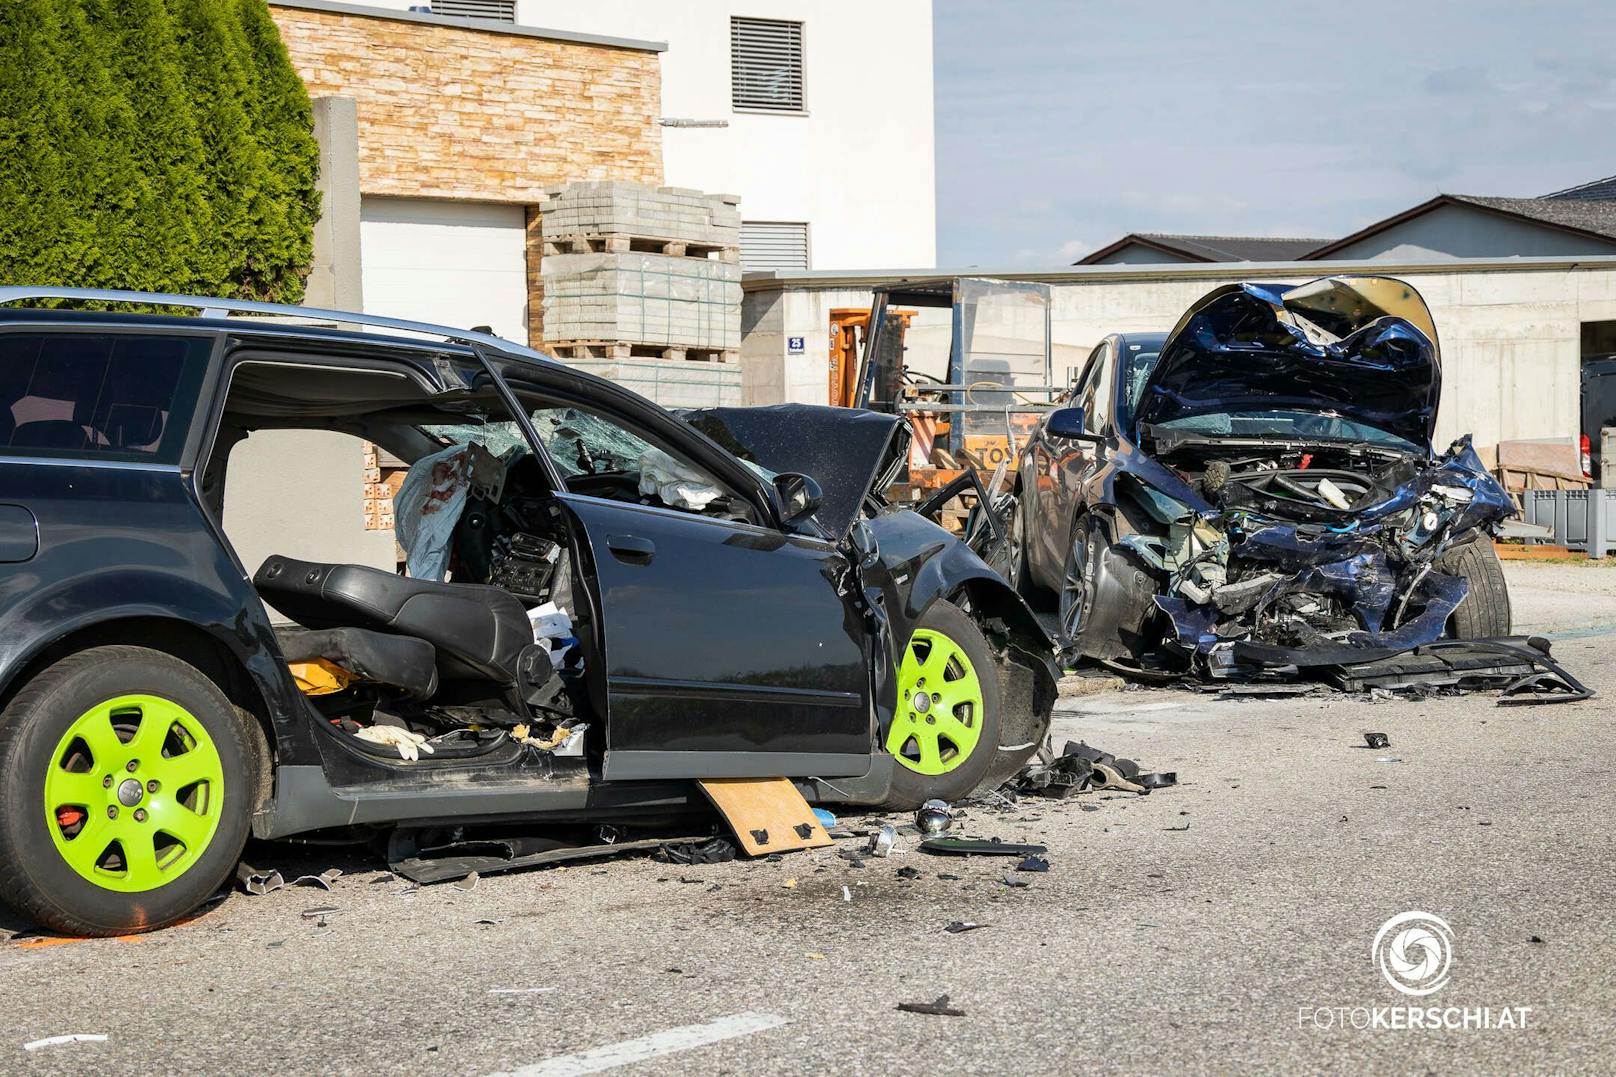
[939, 718]
[134, 793]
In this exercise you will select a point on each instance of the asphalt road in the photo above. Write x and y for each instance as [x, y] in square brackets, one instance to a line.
[1146, 947]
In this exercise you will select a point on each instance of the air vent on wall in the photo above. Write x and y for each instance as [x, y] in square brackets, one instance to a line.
[774, 244]
[498, 10]
[766, 64]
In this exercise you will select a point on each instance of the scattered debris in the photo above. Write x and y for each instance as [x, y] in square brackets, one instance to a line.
[790, 884]
[826, 819]
[258, 883]
[1535, 938]
[907, 872]
[847, 895]
[1015, 881]
[939, 1008]
[1033, 863]
[81, 1037]
[469, 882]
[933, 817]
[1377, 740]
[959, 927]
[1080, 767]
[979, 847]
[320, 913]
[719, 850]
[882, 841]
[1186, 826]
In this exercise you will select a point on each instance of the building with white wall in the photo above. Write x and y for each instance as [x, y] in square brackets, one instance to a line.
[819, 115]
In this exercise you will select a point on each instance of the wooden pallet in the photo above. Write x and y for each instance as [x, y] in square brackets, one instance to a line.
[616, 349]
[615, 243]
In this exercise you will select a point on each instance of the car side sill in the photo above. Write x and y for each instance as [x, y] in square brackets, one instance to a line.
[645, 765]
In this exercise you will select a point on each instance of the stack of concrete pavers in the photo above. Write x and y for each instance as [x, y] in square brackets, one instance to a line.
[645, 272]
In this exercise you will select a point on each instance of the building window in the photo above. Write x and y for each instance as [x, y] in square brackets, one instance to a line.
[774, 244]
[498, 10]
[765, 59]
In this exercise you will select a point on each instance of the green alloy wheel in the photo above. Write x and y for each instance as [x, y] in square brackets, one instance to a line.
[127, 783]
[939, 716]
[945, 729]
[133, 793]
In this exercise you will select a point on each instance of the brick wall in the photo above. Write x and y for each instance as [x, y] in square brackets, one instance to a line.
[481, 115]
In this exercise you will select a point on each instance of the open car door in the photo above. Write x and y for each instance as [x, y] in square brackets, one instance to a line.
[728, 647]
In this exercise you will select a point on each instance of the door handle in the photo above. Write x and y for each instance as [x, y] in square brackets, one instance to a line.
[631, 549]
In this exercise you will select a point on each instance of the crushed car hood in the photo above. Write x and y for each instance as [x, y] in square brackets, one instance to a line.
[1361, 348]
[851, 453]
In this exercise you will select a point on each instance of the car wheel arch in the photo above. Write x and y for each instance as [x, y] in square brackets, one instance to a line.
[188, 642]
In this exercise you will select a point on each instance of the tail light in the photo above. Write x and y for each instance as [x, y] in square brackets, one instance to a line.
[1586, 455]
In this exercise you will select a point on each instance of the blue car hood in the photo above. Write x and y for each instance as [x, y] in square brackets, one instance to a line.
[1361, 348]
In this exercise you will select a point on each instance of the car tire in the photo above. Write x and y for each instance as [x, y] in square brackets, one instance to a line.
[1083, 552]
[1485, 612]
[1016, 573]
[140, 755]
[943, 747]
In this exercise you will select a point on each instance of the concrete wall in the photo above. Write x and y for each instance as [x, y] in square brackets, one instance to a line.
[299, 493]
[1510, 337]
[1464, 232]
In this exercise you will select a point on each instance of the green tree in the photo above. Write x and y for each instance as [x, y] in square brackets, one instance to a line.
[283, 124]
[161, 145]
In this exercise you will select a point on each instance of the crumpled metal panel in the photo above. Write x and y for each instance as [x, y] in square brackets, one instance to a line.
[845, 450]
[1362, 348]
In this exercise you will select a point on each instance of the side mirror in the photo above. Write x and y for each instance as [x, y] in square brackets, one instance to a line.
[798, 495]
[1070, 423]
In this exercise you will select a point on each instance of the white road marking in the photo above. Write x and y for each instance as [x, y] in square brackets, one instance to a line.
[72, 1037]
[519, 990]
[668, 1042]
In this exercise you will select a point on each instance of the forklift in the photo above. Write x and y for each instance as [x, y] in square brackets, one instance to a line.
[970, 395]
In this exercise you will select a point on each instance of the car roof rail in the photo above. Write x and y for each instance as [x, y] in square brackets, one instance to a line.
[212, 307]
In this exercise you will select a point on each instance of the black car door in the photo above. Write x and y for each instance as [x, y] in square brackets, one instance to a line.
[731, 647]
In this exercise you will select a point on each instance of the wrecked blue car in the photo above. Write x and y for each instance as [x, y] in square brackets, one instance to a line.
[1257, 490]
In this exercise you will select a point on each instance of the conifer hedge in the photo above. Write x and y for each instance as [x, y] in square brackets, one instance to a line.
[160, 145]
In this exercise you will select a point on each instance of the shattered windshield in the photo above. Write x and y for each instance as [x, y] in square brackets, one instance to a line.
[1136, 367]
[1289, 425]
[584, 444]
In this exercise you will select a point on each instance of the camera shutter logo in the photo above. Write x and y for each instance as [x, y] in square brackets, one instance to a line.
[1413, 951]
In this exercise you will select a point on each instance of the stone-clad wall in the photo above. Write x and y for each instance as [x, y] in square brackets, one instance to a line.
[481, 115]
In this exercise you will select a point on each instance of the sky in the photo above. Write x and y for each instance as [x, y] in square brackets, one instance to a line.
[1063, 126]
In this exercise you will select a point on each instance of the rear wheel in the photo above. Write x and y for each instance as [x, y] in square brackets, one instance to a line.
[1484, 613]
[946, 729]
[126, 785]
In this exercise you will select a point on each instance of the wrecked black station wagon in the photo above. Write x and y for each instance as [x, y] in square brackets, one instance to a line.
[623, 601]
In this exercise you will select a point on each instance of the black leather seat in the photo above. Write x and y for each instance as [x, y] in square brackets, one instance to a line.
[400, 662]
[478, 631]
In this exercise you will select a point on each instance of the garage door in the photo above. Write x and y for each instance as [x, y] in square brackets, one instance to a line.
[454, 263]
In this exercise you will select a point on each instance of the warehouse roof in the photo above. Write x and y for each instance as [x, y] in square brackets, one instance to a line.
[1599, 190]
[1579, 216]
[1209, 248]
